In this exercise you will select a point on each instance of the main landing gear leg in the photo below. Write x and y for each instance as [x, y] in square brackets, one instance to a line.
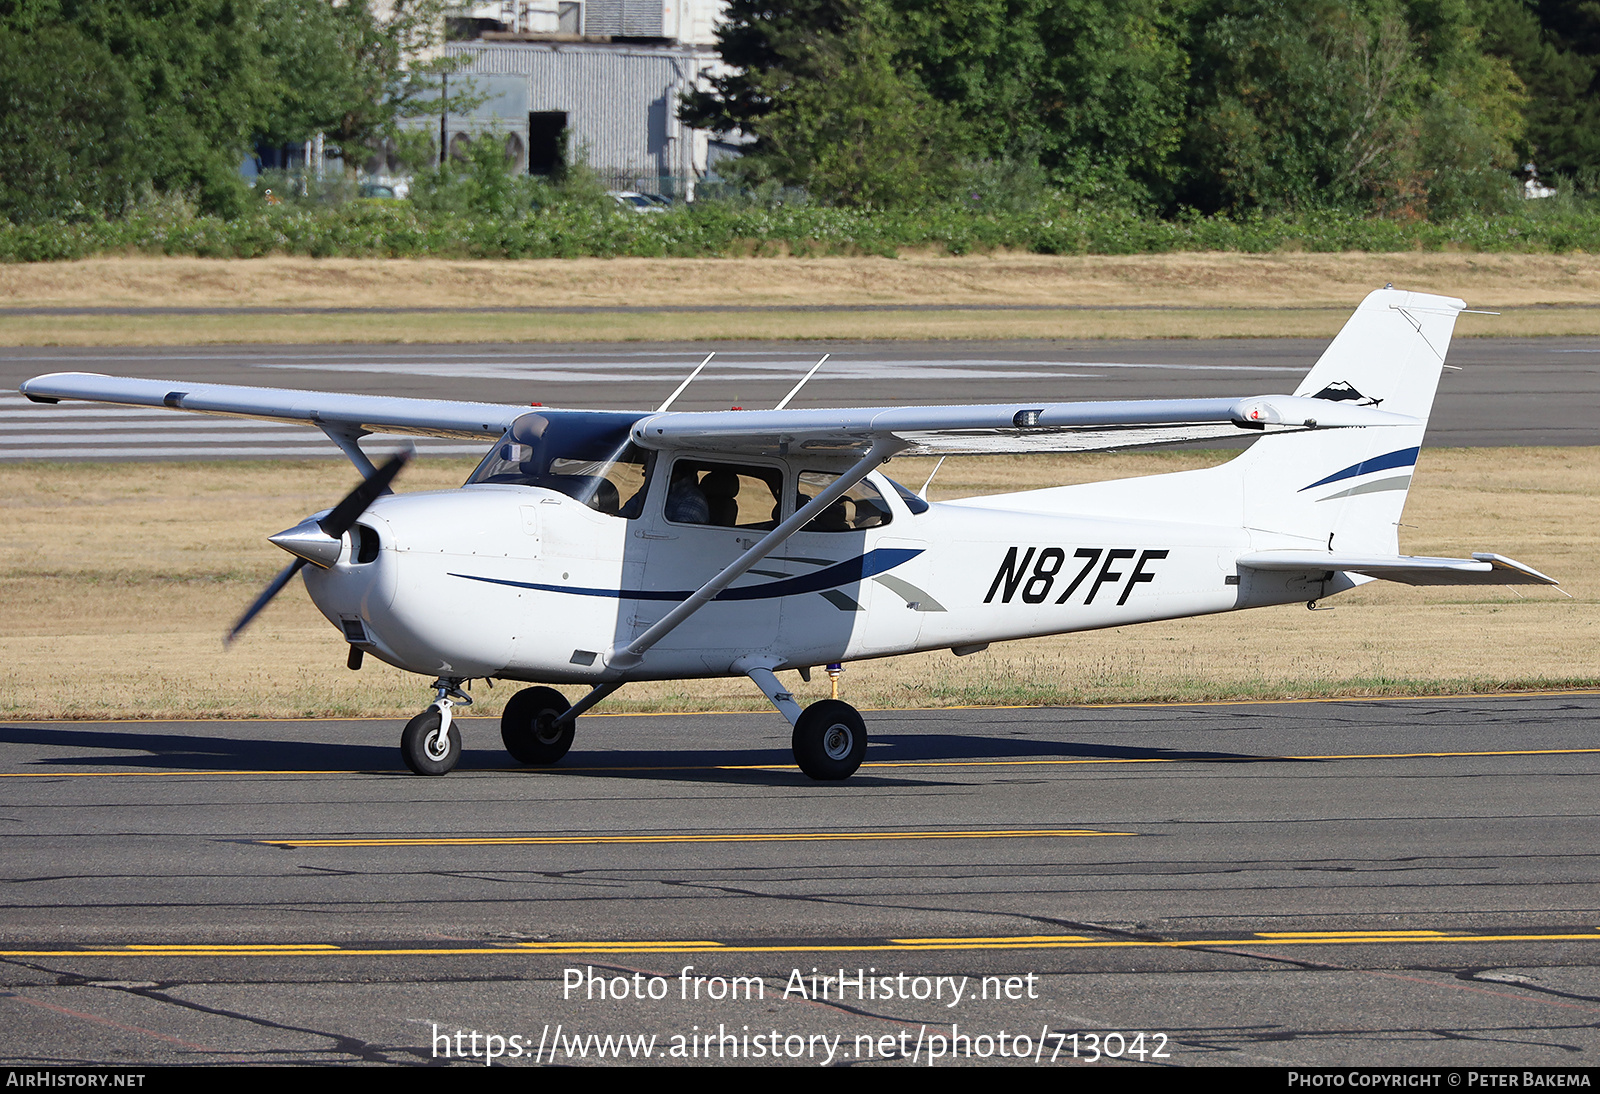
[830, 739]
[431, 743]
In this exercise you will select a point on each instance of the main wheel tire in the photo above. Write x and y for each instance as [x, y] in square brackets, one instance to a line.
[529, 729]
[830, 740]
[427, 751]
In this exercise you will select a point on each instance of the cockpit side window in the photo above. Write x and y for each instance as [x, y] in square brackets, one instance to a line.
[724, 495]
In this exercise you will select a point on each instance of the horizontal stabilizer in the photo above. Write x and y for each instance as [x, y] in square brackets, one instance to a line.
[1482, 568]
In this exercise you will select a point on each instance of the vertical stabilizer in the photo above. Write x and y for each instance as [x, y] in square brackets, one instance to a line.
[1344, 489]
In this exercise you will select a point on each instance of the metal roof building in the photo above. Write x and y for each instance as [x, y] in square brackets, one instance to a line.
[606, 96]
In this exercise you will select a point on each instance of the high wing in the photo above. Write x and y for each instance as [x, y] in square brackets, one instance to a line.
[923, 430]
[1003, 428]
[357, 413]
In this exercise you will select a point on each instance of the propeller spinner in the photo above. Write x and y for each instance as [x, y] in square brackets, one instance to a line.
[319, 541]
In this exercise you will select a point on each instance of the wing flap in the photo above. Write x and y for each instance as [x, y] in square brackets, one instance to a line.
[1483, 568]
[371, 413]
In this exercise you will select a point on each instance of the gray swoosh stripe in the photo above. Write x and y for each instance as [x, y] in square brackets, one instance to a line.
[909, 592]
[1399, 482]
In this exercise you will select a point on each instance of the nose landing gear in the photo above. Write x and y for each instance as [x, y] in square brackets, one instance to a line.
[431, 743]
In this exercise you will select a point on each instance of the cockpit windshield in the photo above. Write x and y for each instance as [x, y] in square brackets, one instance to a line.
[585, 456]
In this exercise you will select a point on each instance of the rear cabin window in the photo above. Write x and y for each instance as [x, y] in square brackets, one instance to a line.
[862, 507]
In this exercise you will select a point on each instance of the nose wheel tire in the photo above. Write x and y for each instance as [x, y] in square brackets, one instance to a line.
[529, 727]
[428, 748]
[830, 740]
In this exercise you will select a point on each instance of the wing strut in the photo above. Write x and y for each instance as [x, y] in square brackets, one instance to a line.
[686, 382]
[796, 389]
[346, 437]
[630, 655]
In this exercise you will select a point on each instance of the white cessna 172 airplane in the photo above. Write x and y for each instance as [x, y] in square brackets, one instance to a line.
[595, 548]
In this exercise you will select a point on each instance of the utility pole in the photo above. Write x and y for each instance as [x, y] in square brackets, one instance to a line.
[444, 116]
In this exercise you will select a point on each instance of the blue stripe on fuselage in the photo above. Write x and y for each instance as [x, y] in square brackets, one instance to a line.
[847, 572]
[1406, 457]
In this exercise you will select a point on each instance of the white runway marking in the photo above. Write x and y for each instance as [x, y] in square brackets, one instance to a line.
[896, 370]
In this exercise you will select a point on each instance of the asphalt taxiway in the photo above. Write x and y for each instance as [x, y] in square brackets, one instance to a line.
[1543, 391]
[1337, 882]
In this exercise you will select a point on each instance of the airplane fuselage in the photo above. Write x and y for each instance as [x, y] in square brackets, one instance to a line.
[526, 583]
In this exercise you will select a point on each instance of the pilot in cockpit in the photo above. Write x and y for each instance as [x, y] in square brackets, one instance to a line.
[686, 502]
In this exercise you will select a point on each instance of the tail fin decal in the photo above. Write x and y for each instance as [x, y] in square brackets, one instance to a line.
[1389, 353]
[1377, 486]
[1406, 457]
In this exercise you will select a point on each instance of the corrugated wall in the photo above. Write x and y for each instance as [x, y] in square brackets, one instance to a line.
[635, 18]
[620, 101]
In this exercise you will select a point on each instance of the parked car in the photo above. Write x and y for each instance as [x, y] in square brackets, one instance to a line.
[384, 188]
[635, 202]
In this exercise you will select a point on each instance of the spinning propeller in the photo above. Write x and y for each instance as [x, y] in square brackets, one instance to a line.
[320, 541]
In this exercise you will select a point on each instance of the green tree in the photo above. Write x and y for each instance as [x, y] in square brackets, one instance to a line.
[313, 51]
[1473, 121]
[769, 46]
[1111, 96]
[341, 68]
[1090, 90]
[170, 95]
[68, 125]
[986, 59]
[860, 130]
[1294, 105]
[1378, 104]
[1554, 48]
[196, 70]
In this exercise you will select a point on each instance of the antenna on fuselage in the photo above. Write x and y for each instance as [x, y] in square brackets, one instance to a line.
[923, 493]
[687, 381]
[796, 389]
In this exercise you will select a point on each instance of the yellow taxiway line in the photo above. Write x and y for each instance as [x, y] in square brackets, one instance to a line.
[692, 837]
[891, 945]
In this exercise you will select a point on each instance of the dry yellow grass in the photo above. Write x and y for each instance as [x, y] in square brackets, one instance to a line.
[1214, 280]
[457, 327]
[117, 581]
[1253, 296]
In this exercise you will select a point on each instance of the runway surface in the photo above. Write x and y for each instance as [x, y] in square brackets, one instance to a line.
[1508, 392]
[1338, 883]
